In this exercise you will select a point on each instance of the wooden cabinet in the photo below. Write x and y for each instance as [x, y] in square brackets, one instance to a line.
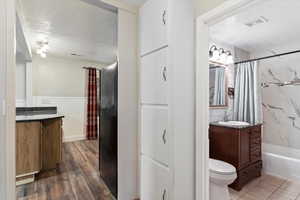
[155, 180]
[154, 78]
[240, 147]
[51, 143]
[28, 144]
[155, 138]
[153, 25]
[38, 146]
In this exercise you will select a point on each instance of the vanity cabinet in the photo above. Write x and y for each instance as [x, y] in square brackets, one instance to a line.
[240, 147]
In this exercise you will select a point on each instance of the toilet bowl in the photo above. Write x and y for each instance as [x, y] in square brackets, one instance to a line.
[221, 174]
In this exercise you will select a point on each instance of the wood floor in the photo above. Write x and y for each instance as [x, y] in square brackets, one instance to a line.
[77, 178]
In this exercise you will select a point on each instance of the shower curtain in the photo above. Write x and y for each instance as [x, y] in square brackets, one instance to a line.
[219, 92]
[247, 93]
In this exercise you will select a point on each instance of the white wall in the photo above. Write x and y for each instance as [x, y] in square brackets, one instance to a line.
[182, 79]
[20, 81]
[203, 6]
[127, 106]
[60, 77]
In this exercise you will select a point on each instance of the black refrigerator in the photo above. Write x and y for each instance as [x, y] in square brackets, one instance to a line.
[108, 127]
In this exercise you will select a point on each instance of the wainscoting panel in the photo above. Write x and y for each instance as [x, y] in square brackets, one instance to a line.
[74, 110]
[20, 103]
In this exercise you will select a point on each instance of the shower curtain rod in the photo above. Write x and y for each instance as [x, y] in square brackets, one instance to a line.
[91, 68]
[267, 57]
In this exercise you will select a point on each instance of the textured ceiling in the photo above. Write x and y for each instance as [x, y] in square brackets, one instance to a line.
[135, 2]
[73, 27]
[279, 32]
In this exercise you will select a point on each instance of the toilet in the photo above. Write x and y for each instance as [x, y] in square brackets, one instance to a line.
[221, 174]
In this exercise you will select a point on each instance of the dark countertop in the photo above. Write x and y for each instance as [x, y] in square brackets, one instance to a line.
[234, 126]
[28, 118]
[26, 114]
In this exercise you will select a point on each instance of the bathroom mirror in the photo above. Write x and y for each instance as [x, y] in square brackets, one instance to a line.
[217, 86]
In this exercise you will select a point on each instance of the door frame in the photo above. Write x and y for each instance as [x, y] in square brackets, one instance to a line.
[203, 22]
[128, 63]
[7, 98]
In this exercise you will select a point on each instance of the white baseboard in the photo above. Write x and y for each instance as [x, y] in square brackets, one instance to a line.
[74, 138]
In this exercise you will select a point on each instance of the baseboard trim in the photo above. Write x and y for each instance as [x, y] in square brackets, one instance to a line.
[74, 138]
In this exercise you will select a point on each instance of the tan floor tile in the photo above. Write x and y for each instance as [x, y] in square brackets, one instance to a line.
[291, 187]
[251, 197]
[235, 194]
[272, 180]
[260, 193]
[268, 187]
[283, 195]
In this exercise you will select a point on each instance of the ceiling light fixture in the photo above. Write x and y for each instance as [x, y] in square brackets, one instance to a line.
[220, 55]
[43, 47]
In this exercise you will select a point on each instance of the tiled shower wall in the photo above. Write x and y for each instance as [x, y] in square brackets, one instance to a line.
[281, 104]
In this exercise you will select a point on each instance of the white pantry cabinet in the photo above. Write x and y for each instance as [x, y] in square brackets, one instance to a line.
[166, 100]
[155, 184]
[155, 139]
[153, 25]
[154, 78]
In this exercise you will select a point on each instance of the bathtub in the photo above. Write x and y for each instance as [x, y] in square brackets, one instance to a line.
[281, 161]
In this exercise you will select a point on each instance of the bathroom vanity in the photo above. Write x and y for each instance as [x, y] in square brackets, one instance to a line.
[239, 145]
[38, 143]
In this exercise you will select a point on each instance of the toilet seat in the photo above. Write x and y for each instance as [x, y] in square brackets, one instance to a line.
[220, 167]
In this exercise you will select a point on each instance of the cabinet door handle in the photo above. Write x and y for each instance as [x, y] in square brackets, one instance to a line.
[164, 73]
[164, 136]
[164, 194]
[164, 17]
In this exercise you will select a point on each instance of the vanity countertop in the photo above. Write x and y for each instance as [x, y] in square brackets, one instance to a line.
[234, 126]
[27, 118]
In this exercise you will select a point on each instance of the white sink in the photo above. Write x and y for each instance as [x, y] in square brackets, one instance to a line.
[234, 123]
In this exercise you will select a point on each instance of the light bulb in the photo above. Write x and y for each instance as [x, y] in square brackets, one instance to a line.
[39, 51]
[229, 60]
[45, 47]
[223, 58]
[43, 55]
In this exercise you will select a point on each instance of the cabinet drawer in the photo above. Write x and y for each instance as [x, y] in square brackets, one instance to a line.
[154, 78]
[153, 25]
[154, 180]
[155, 135]
[255, 155]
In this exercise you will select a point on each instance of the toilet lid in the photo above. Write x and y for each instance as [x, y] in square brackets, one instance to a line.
[220, 167]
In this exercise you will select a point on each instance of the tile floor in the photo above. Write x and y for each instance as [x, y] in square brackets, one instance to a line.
[268, 188]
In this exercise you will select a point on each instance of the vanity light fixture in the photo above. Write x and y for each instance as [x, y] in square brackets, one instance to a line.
[220, 55]
[43, 47]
